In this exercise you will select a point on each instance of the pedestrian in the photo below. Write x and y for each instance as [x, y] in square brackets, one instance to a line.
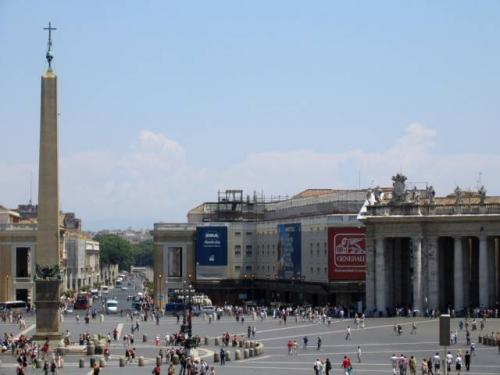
[413, 329]
[348, 333]
[254, 331]
[359, 354]
[212, 371]
[249, 331]
[346, 365]
[317, 366]
[96, 369]
[222, 356]
[449, 361]
[305, 339]
[413, 365]
[156, 370]
[436, 362]
[45, 368]
[458, 363]
[472, 348]
[424, 367]
[328, 366]
[467, 361]
[319, 342]
[290, 347]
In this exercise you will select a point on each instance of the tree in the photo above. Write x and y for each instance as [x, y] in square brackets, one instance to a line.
[143, 254]
[115, 250]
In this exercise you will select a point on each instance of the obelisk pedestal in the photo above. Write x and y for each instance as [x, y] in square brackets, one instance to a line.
[48, 283]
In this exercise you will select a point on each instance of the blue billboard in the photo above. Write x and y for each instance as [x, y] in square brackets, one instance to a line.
[211, 252]
[289, 257]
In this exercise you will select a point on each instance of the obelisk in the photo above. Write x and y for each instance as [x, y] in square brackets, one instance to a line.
[47, 259]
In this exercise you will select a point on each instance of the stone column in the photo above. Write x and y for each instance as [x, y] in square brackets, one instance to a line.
[497, 270]
[380, 274]
[370, 274]
[433, 279]
[483, 271]
[458, 274]
[417, 274]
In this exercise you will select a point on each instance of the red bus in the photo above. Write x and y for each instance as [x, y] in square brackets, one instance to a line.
[83, 301]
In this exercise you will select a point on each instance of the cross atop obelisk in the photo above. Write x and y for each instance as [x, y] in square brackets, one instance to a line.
[49, 55]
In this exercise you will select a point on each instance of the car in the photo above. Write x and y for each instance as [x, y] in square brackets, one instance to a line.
[111, 306]
[124, 288]
[207, 309]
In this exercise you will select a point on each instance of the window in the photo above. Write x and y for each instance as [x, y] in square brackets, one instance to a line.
[237, 234]
[237, 250]
[248, 253]
[249, 233]
[22, 262]
[326, 270]
[248, 268]
[237, 268]
[249, 247]
[174, 265]
[317, 252]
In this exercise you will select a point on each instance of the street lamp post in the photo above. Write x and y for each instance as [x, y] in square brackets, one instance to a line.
[160, 291]
[187, 324]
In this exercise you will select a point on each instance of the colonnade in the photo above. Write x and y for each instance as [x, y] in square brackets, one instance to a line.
[432, 272]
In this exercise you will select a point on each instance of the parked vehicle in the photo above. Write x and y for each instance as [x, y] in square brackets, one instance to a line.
[207, 309]
[20, 306]
[111, 306]
[83, 301]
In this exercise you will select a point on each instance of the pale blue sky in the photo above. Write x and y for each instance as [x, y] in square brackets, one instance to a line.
[243, 87]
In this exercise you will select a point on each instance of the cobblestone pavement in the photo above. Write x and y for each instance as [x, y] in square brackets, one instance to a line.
[377, 342]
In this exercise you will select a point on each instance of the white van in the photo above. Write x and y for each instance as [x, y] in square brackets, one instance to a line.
[111, 306]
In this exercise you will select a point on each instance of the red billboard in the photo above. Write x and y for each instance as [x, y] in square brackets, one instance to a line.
[346, 253]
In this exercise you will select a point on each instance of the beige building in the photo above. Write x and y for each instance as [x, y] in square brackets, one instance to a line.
[428, 252]
[82, 266]
[247, 248]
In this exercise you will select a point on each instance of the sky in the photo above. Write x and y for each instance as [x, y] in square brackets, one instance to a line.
[164, 103]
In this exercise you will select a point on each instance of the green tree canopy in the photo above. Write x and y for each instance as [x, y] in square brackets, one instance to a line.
[115, 250]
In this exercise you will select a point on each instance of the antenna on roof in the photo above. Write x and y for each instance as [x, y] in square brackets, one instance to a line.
[31, 187]
[479, 180]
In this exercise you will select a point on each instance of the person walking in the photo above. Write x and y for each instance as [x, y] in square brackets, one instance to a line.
[413, 365]
[348, 333]
[319, 343]
[359, 354]
[467, 360]
[156, 370]
[222, 356]
[346, 365]
[317, 366]
[424, 367]
[305, 339]
[436, 363]
[328, 366]
[458, 363]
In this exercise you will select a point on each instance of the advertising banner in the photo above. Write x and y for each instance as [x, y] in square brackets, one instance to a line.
[346, 254]
[289, 257]
[211, 252]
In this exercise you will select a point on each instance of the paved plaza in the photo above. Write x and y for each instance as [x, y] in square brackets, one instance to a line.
[377, 342]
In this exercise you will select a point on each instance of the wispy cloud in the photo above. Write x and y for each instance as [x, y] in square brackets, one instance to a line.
[152, 180]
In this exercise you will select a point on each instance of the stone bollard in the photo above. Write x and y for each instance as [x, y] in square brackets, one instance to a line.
[121, 362]
[175, 359]
[102, 362]
[237, 355]
[247, 344]
[206, 340]
[241, 343]
[246, 353]
[144, 338]
[38, 363]
[81, 363]
[228, 355]
[252, 344]
[216, 357]
[90, 349]
[216, 341]
[140, 361]
[60, 350]
[92, 362]
[158, 360]
[251, 352]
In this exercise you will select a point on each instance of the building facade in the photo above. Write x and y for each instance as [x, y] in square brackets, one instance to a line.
[309, 248]
[428, 252]
[82, 266]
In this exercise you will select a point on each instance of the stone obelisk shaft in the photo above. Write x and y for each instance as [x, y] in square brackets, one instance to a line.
[48, 246]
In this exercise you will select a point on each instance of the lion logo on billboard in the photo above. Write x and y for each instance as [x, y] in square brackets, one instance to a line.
[350, 245]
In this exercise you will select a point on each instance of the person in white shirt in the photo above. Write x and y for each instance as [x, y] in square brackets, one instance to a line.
[436, 361]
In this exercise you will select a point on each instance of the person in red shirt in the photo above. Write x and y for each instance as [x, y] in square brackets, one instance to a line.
[346, 365]
[290, 347]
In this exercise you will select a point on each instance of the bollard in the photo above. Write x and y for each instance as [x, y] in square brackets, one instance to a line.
[252, 344]
[237, 355]
[228, 355]
[158, 360]
[38, 363]
[121, 362]
[81, 363]
[140, 361]
[60, 350]
[247, 344]
[216, 341]
[216, 357]
[206, 340]
[102, 362]
[246, 353]
[241, 343]
[90, 349]
[144, 338]
[251, 352]
[175, 359]
[92, 362]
